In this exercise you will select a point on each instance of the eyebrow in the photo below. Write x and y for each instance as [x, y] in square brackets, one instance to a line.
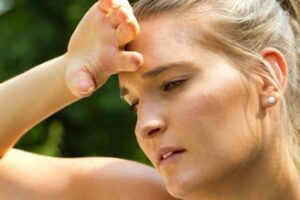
[157, 71]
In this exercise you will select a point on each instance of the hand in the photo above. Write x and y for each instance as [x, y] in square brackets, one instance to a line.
[95, 49]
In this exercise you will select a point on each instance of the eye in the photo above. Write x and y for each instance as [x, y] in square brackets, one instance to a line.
[172, 84]
[133, 106]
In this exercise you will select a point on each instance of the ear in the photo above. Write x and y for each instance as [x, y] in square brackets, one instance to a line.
[276, 65]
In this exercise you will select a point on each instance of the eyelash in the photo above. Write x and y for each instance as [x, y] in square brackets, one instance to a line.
[133, 106]
[170, 85]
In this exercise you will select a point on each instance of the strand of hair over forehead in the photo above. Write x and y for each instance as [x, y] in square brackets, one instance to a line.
[144, 8]
[151, 7]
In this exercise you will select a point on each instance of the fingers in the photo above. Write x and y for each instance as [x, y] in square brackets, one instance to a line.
[109, 5]
[120, 14]
[83, 82]
[128, 28]
[127, 61]
[105, 5]
[121, 17]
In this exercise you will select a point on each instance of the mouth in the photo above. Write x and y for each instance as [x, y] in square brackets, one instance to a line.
[168, 154]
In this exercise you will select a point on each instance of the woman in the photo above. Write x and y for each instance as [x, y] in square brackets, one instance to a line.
[216, 96]
[217, 99]
[95, 47]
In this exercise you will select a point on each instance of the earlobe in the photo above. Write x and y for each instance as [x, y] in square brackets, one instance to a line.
[270, 97]
[276, 65]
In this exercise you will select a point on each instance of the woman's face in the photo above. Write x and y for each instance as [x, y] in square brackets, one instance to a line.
[196, 121]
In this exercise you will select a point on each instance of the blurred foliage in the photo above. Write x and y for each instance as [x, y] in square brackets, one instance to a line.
[32, 32]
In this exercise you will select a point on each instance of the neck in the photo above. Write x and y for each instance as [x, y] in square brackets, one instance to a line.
[269, 178]
[272, 175]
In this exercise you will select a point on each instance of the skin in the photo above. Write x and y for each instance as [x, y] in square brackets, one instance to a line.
[27, 176]
[196, 100]
[95, 51]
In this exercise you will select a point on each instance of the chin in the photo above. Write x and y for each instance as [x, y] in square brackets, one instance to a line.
[180, 187]
[188, 183]
[176, 192]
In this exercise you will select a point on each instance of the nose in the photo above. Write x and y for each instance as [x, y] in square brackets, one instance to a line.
[150, 121]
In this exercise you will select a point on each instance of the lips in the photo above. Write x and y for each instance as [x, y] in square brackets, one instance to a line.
[165, 153]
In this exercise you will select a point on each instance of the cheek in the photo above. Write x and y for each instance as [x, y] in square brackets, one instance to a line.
[217, 124]
[147, 146]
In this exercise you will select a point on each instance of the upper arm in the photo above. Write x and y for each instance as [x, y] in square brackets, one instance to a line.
[120, 179]
[27, 176]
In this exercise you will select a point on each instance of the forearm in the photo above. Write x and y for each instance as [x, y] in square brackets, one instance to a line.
[93, 54]
[31, 97]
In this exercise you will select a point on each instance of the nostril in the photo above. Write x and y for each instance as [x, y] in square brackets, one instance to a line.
[154, 131]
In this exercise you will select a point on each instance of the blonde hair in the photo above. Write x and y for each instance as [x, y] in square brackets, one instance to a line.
[245, 28]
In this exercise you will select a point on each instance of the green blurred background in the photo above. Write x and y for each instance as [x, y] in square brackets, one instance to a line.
[34, 31]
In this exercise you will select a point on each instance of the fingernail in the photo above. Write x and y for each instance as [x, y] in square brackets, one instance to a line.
[136, 61]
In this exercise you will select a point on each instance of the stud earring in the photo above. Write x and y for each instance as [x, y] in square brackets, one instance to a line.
[271, 100]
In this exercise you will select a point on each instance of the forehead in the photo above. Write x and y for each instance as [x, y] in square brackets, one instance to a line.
[162, 40]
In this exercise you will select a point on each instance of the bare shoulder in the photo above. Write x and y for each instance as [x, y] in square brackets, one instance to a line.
[29, 176]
